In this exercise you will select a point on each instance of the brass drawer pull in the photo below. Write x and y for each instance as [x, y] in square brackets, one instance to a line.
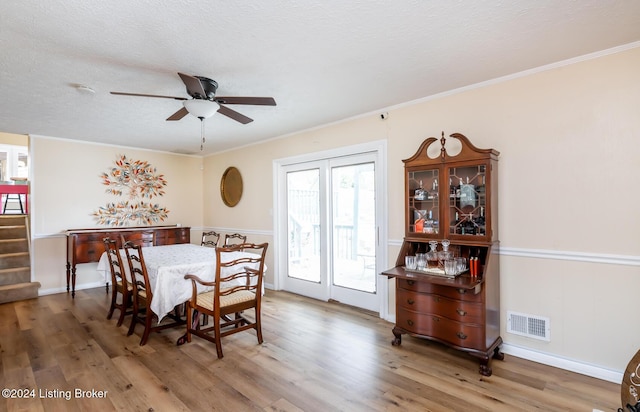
[410, 301]
[461, 312]
[435, 318]
[461, 335]
[462, 291]
[410, 322]
[410, 282]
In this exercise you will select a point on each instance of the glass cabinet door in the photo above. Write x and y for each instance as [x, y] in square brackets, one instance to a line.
[468, 200]
[423, 201]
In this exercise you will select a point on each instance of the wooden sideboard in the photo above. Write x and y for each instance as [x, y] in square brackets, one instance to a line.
[87, 245]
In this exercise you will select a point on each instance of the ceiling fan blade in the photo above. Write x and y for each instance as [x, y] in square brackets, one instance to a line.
[149, 95]
[178, 115]
[262, 101]
[194, 87]
[234, 115]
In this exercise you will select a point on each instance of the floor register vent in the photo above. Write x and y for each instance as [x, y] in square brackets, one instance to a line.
[536, 327]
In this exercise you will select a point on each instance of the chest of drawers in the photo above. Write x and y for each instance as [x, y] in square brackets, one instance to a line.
[455, 312]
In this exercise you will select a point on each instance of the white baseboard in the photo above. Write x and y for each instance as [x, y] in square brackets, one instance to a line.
[594, 371]
[567, 364]
[63, 289]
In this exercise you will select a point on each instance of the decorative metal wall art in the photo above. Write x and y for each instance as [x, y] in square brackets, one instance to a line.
[136, 179]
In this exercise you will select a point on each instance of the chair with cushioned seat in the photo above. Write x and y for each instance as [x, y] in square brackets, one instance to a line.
[237, 288]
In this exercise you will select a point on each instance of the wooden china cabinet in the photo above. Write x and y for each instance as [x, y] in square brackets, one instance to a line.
[451, 193]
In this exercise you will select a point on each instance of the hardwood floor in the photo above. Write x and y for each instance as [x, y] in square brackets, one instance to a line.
[316, 356]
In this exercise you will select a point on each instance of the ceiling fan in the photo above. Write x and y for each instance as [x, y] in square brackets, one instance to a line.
[204, 102]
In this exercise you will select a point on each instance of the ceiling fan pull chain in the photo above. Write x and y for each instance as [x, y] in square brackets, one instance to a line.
[202, 133]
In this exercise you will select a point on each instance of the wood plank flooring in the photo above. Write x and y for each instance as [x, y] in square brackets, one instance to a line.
[316, 356]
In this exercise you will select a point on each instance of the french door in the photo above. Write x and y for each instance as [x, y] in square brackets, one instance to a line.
[331, 219]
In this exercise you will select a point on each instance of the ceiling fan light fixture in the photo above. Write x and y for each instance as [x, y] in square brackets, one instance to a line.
[200, 108]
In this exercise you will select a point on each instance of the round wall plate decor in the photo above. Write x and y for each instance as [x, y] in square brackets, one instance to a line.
[231, 186]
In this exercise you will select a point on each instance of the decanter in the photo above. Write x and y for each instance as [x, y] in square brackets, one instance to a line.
[445, 253]
[432, 255]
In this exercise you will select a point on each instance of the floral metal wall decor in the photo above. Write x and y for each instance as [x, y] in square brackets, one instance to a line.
[138, 179]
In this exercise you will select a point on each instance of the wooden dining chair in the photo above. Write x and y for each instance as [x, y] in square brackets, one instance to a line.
[237, 287]
[120, 285]
[143, 296]
[210, 238]
[234, 239]
[144, 238]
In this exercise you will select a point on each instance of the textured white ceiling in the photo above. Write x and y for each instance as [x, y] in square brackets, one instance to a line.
[323, 61]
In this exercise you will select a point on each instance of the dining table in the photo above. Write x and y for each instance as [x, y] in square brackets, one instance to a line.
[168, 264]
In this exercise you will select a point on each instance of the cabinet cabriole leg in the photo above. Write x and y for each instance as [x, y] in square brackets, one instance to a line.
[398, 337]
[485, 367]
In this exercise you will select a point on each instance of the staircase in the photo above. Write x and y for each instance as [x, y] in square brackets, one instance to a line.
[15, 263]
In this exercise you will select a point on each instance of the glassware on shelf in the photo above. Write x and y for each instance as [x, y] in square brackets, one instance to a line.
[432, 254]
[421, 261]
[450, 267]
[428, 223]
[433, 194]
[420, 193]
[444, 254]
[410, 262]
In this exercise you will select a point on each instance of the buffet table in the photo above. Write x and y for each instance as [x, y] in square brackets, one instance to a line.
[87, 245]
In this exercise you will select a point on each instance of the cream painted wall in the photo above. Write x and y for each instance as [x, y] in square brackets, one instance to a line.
[66, 188]
[568, 138]
[253, 215]
[14, 139]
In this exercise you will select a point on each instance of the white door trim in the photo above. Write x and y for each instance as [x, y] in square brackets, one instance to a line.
[279, 203]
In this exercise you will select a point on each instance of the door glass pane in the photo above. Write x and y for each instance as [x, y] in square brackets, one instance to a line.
[423, 204]
[468, 200]
[354, 226]
[303, 227]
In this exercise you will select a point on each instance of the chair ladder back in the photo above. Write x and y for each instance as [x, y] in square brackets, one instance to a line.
[115, 263]
[210, 238]
[142, 291]
[120, 284]
[235, 238]
[138, 270]
[250, 268]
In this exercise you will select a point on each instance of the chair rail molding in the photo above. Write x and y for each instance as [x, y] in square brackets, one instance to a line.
[612, 259]
[626, 260]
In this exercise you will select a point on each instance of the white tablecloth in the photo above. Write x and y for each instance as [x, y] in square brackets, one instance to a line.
[167, 265]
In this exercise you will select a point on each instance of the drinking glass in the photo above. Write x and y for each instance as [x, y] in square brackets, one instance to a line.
[450, 267]
[421, 260]
[410, 262]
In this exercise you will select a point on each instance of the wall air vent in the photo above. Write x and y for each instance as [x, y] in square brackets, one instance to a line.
[531, 326]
